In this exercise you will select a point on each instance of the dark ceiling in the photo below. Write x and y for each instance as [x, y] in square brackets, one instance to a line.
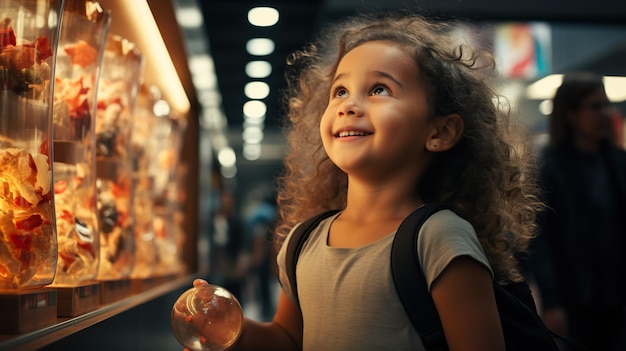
[228, 31]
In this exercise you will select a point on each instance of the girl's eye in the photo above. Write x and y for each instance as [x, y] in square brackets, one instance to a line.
[380, 90]
[339, 92]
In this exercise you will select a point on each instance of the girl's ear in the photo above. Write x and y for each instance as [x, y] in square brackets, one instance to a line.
[446, 133]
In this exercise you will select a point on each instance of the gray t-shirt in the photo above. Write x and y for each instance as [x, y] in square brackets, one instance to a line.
[347, 295]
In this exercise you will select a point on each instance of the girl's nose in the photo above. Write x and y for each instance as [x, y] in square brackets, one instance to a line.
[351, 107]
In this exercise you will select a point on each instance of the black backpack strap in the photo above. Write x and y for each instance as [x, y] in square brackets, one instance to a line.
[294, 246]
[410, 281]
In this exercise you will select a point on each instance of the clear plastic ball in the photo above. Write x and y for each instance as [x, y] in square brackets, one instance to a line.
[207, 318]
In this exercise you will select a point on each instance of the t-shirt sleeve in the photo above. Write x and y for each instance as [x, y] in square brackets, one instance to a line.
[443, 237]
[281, 262]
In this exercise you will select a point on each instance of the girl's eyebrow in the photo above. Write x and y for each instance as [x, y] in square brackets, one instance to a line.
[389, 76]
[337, 77]
[376, 73]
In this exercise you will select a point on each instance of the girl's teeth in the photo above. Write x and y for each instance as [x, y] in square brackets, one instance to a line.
[350, 133]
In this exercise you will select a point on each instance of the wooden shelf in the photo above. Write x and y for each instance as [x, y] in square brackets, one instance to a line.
[67, 326]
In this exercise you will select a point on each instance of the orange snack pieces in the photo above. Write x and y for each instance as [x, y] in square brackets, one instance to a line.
[81, 54]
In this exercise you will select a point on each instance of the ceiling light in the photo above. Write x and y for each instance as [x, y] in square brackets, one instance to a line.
[226, 157]
[258, 69]
[545, 107]
[229, 172]
[201, 64]
[260, 46]
[252, 151]
[205, 81]
[546, 87]
[253, 121]
[254, 109]
[257, 90]
[209, 98]
[189, 17]
[263, 16]
[615, 90]
[252, 135]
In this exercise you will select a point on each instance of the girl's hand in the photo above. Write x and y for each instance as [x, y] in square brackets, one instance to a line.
[199, 282]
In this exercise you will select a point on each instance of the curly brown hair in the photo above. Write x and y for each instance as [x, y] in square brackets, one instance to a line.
[487, 178]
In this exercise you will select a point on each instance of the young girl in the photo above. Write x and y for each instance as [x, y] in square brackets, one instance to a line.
[387, 115]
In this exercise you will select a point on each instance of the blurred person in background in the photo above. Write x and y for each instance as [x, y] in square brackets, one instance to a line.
[229, 258]
[578, 262]
[259, 220]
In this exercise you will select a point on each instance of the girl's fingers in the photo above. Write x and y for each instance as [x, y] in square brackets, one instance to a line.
[200, 282]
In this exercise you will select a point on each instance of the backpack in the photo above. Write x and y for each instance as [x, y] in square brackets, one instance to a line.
[523, 328]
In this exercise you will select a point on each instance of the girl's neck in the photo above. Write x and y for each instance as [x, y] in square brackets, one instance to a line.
[380, 202]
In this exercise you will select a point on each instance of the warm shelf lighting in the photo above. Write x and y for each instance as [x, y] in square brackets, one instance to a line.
[134, 21]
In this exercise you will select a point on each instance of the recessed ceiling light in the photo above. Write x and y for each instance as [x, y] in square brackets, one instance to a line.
[260, 46]
[252, 151]
[263, 16]
[258, 69]
[252, 135]
[227, 157]
[257, 90]
[254, 109]
[189, 17]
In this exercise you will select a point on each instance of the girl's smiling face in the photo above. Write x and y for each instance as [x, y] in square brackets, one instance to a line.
[377, 120]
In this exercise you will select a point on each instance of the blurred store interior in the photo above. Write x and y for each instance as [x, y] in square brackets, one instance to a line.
[232, 99]
[534, 42]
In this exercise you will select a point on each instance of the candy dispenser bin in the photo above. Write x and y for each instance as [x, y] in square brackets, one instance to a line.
[143, 180]
[81, 45]
[117, 92]
[168, 131]
[29, 33]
